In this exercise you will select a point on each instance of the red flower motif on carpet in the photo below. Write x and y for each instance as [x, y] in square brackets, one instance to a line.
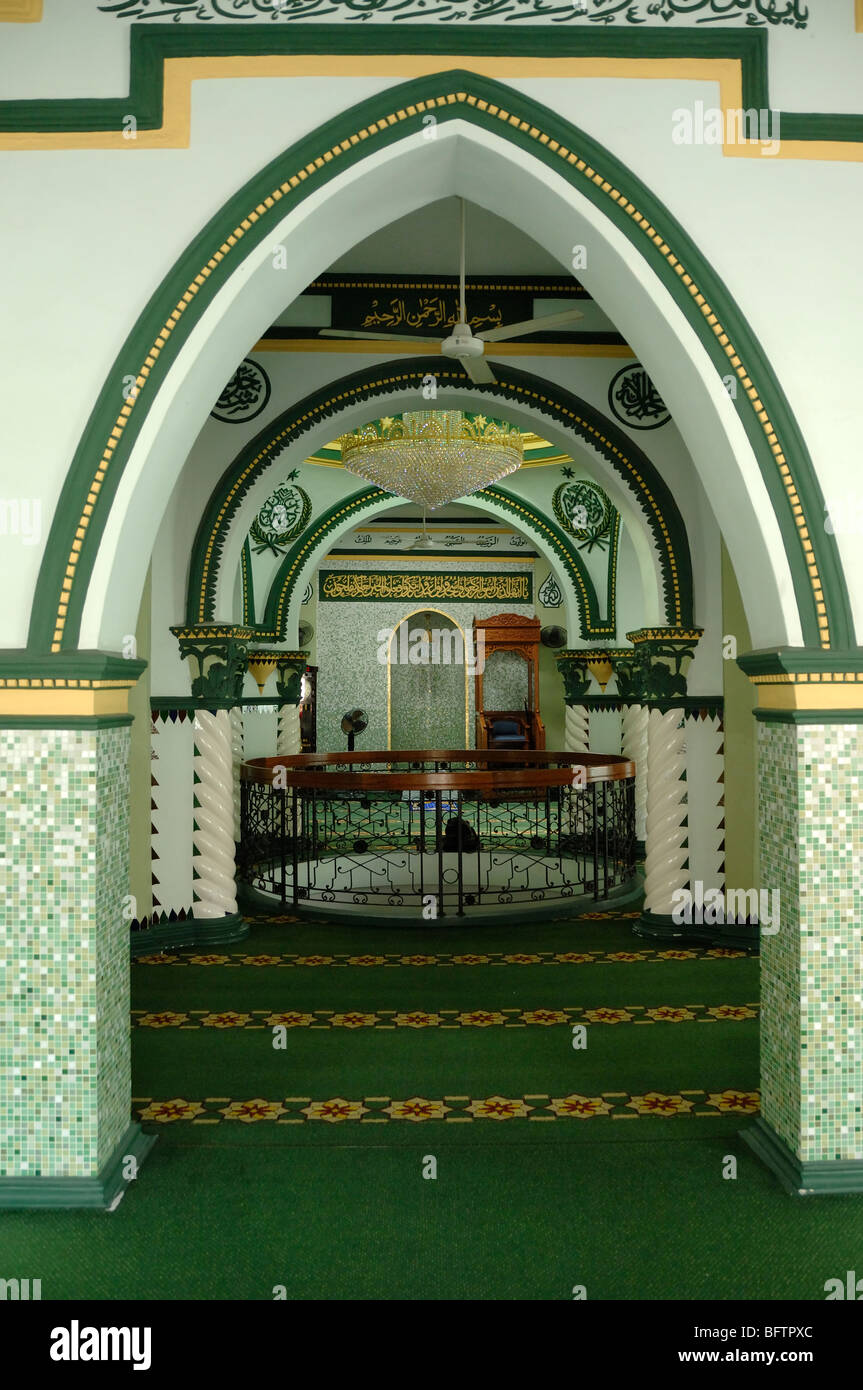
[580, 1107]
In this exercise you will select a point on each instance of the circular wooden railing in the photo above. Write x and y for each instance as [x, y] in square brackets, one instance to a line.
[494, 771]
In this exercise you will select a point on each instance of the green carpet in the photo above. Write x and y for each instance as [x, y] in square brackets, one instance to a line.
[599, 1165]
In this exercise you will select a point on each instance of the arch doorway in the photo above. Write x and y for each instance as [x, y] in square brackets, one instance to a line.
[427, 682]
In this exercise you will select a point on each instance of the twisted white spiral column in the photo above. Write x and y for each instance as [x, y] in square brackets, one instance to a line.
[634, 746]
[665, 853]
[577, 729]
[237, 755]
[289, 739]
[215, 884]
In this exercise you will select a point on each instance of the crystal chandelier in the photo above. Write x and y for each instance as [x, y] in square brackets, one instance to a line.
[433, 456]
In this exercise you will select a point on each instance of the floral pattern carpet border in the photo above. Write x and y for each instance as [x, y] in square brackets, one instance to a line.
[390, 1019]
[298, 1110]
[395, 959]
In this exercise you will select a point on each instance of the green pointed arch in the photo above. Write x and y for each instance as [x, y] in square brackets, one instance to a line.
[318, 538]
[630, 463]
[249, 216]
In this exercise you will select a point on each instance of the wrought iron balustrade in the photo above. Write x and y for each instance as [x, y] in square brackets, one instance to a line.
[468, 830]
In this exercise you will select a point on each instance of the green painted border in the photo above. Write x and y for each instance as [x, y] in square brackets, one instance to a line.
[162, 703]
[19, 664]
[150, 45]
[149, 49]
[97, 1192]
[632, 465]
[64, 721]
[809, 716]
[690, 704]
[193, 931]
[799, 661]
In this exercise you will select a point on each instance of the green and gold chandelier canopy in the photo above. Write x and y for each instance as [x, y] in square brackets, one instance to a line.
[433, 456]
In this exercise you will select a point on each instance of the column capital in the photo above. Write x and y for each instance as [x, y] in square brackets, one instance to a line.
[217, 655]
[290, 669]
[600, 662]
[660, 660]
[575, 674]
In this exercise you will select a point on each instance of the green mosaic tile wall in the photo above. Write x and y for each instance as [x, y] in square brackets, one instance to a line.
[64, 1033]
[811, 815]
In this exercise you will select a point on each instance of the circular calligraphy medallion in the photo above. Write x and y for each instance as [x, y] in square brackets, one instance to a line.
[583, 510]
[245, 395]
[281, 519]
[635, 401]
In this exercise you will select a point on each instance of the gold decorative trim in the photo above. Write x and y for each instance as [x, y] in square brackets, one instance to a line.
[20, 11]
[207, 631]
[833, 691]
[665, 634]
[809, 678]
[39, 683]
[29, 700]
[569, 157]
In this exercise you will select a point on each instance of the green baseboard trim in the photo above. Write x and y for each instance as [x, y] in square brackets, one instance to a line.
[95, 1193]
[809, 716]
[735, 935]
[194, 931]
[658, 927]
[833, 1176]
[743, 935]
[49, 722]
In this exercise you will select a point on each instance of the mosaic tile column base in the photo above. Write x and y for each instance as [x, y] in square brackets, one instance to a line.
[65, 1132]
[811, 819]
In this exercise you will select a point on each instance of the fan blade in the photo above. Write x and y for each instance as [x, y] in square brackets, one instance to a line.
[386, 337]
[541, 325]
[478, 370]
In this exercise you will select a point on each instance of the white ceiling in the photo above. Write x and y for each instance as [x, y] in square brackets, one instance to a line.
[427, 242]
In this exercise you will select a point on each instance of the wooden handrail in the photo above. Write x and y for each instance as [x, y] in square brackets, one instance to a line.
[309, 770]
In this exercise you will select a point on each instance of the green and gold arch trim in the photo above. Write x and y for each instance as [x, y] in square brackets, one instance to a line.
[251, 215]
[287, 577]
[629, 462]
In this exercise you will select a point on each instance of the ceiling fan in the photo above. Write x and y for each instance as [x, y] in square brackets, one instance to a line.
[468, 347]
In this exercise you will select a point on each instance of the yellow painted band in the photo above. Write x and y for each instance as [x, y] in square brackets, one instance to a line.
[180, 73]
[48, 703]
[20, 11]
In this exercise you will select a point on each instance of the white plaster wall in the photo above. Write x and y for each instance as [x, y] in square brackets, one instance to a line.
[117, 220]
